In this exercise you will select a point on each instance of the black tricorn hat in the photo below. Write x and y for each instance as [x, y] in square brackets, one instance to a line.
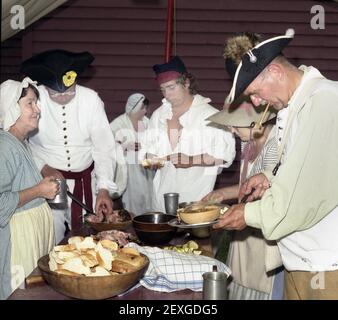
[56, 69]
[170, 70]
[255, 60]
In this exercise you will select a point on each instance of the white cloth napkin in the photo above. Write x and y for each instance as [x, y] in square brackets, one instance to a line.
[170, 271]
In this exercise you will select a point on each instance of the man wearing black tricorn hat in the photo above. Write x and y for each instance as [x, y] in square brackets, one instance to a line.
[74, 136]
[179, 134]
[299, 196]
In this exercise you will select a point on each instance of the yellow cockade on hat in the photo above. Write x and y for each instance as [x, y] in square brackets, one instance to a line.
[69, 78]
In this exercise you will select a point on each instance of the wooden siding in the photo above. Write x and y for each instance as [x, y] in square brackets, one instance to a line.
[127, 38]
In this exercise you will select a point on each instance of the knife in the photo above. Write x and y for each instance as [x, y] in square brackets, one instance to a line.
[80, 203]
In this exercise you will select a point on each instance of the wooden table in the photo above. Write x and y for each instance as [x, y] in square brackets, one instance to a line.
[43, 291]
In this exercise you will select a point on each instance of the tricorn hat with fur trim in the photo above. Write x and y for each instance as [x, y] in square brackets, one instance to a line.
[56, 69]
[255, 60]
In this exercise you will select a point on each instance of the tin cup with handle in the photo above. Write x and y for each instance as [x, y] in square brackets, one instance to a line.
[171, 202]
[215, 285]
[61, 196]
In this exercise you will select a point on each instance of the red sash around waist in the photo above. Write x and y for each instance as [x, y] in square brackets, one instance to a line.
[83, 185]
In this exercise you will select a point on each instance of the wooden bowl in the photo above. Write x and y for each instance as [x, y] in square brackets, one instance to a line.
[103, 226]
[91, 288]
[199, 214]
[153, 228]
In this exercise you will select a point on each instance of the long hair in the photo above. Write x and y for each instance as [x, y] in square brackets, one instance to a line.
[192, 80]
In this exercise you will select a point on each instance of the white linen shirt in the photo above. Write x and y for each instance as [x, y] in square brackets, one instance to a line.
[300, 210]
[196, 138]
[72, 136]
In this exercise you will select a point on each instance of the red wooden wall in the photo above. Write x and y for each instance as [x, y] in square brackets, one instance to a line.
[127, 38]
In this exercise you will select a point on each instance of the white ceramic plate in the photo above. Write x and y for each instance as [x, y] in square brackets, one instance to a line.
[183, 225]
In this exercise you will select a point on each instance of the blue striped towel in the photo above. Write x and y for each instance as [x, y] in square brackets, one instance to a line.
[172, 271]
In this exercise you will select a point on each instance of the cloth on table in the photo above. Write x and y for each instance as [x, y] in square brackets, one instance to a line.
[170, 271]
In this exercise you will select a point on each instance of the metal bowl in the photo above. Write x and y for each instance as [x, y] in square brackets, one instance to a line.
[91, 288]
[152, 228]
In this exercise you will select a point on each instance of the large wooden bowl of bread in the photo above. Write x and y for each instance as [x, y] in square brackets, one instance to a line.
[199, 213]
[90, 269]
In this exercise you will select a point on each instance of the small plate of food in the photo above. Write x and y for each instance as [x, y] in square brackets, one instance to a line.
[118, 220]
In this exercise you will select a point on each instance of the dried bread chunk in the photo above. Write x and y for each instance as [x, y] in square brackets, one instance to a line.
[89, 260]
[134, 260]
[54, 255]
[99, 272]
[130, 251]
[66, 255]
[65, 247]
[75, 265]
[53, 265]
[66, 272]
[76, 239]
[87, 243]
[122, 267]
[109, 244]
[104, 257]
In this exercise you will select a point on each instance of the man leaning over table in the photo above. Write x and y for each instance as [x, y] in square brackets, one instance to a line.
[298, 198]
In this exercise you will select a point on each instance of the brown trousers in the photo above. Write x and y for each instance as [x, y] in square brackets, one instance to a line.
[304, 285]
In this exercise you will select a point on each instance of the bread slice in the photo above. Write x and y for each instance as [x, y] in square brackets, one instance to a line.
[87, 243]
[89, 260]
[129, 250]
[65, 247]
[76, 265]
[104, 257]
[110, 245]
[75, 239]
[66, 255]
[55, 256]
[122, 267]
[66, 272]
[99, 272]
[53, 265]
[136, 261]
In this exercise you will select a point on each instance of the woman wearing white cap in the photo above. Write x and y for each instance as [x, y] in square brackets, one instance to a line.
[26, 222]
[128, 129]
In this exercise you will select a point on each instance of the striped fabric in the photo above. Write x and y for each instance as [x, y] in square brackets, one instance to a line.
[171, 271]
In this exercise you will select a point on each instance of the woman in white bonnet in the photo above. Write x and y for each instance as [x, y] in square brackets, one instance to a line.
[26, 222]
[128, 130]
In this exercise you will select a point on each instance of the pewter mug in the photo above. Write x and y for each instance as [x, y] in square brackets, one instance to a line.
[215, 286]
[171, 202]
[61, 197]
